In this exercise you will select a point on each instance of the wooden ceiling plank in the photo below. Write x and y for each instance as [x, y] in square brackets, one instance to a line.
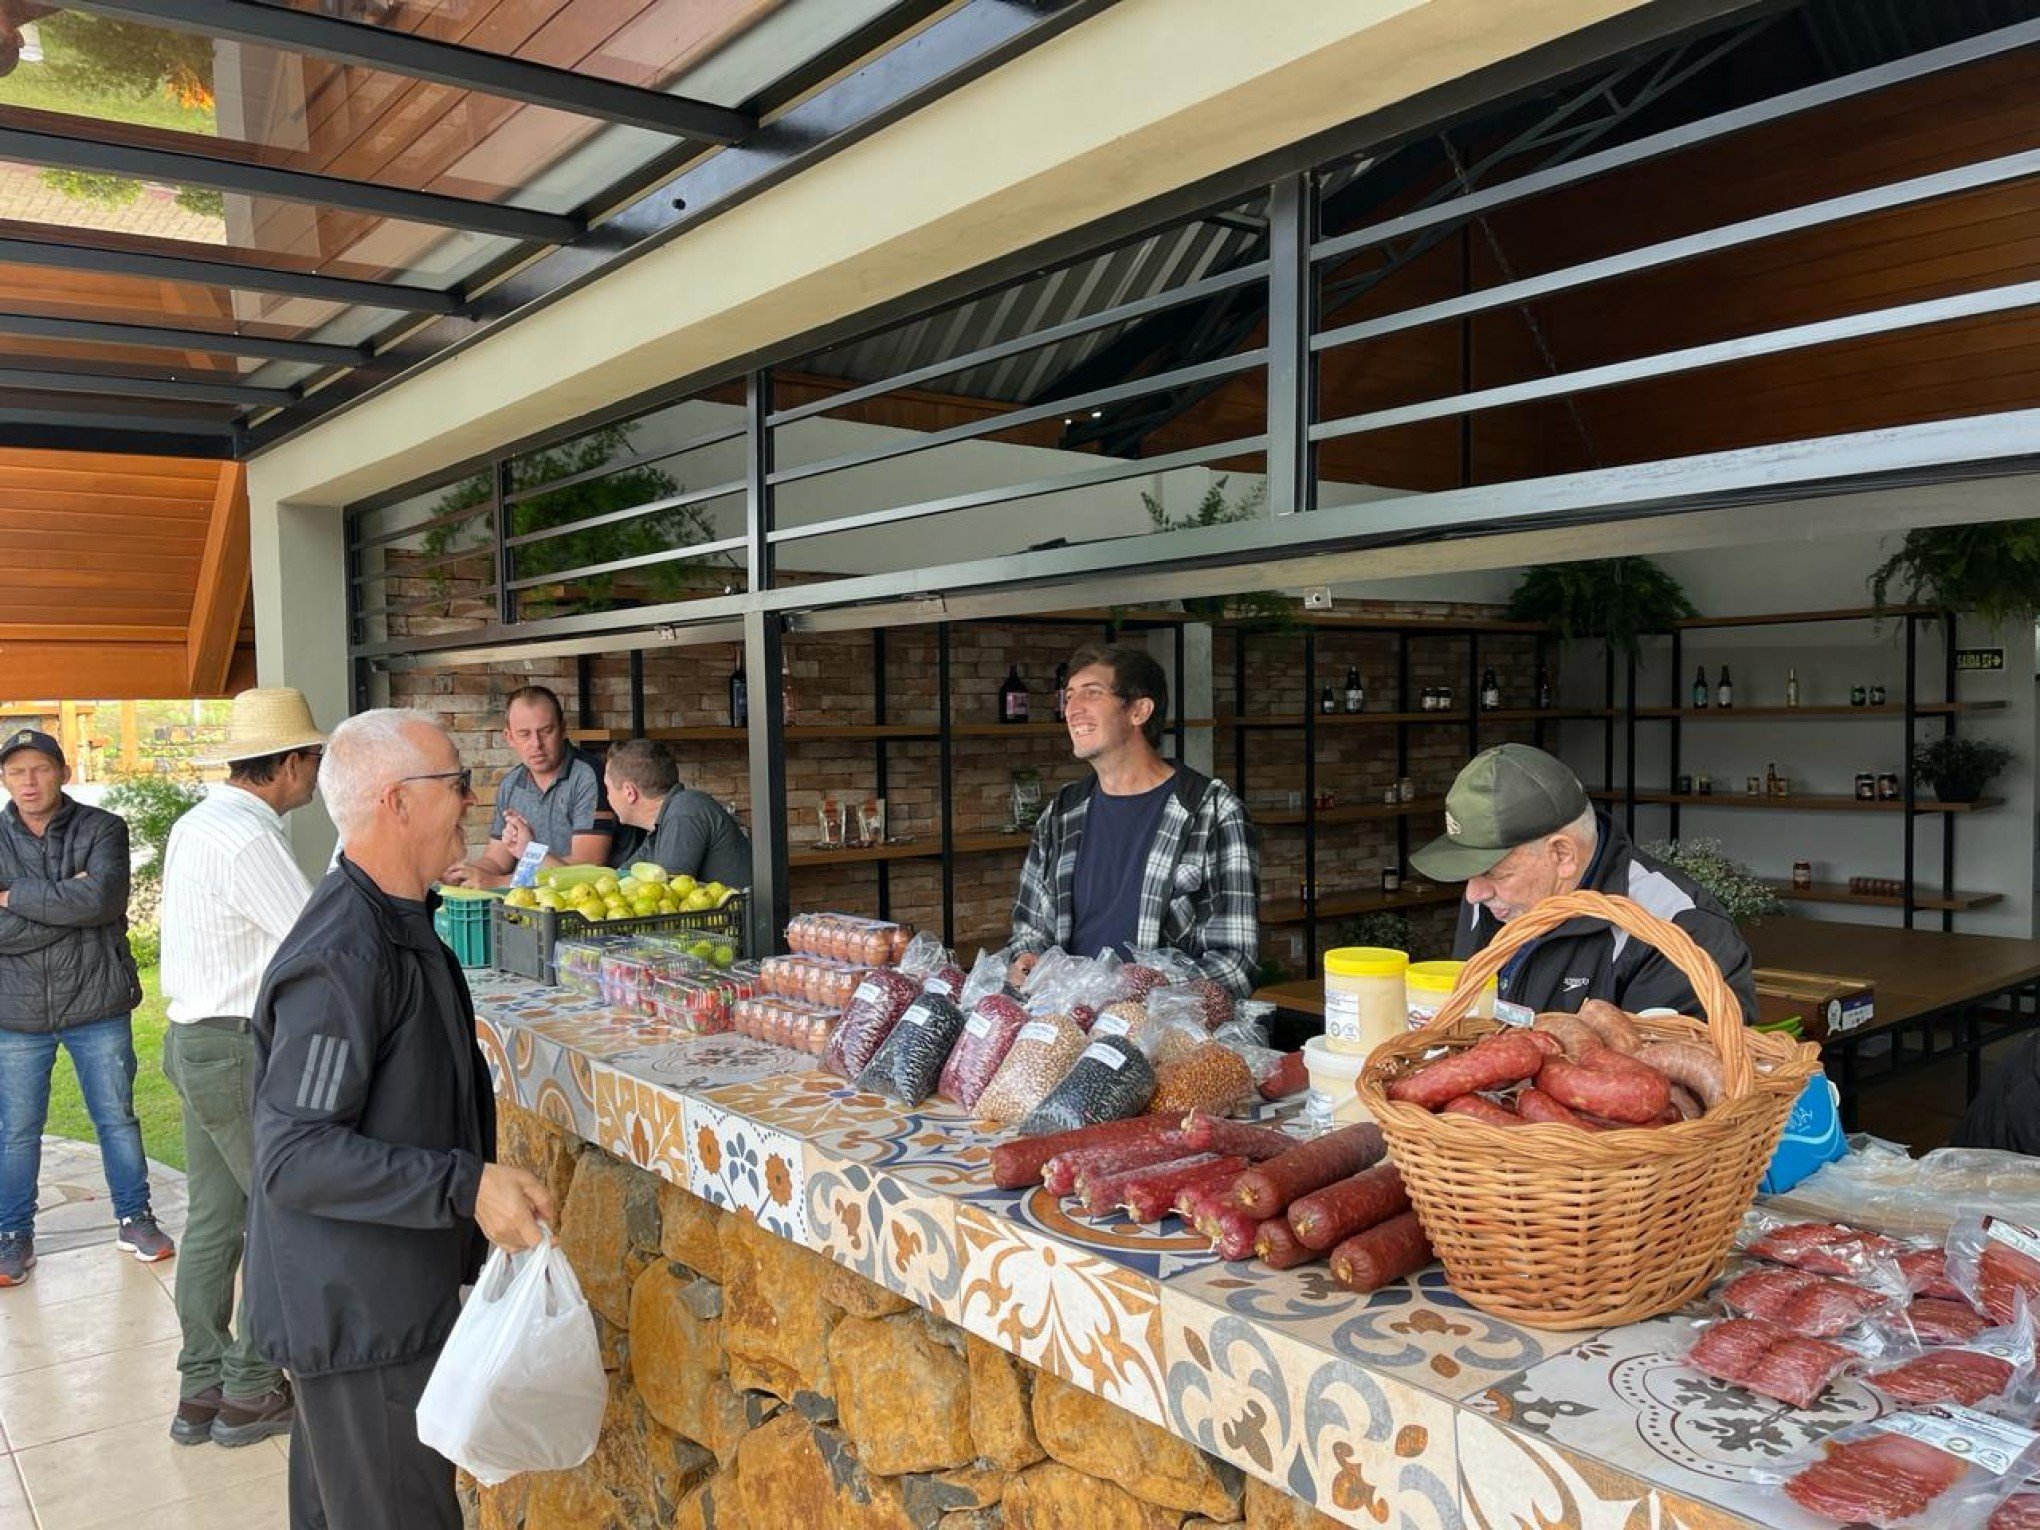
[224, 586]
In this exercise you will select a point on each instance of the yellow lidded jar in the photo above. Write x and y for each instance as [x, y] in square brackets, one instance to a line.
[1364, 1000]
[1429, 984]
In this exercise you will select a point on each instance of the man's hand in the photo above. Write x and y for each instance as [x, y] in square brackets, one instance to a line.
[516, 832]
[509, 1205]
[461, 874]
[1020, 966]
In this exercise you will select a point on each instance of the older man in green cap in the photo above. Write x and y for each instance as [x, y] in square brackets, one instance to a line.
[1519, 828]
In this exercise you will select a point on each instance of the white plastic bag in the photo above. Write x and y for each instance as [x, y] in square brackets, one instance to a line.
[519, 1386]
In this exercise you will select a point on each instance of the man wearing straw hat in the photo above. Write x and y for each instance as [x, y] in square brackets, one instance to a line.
[1519, 828]
[231, 892]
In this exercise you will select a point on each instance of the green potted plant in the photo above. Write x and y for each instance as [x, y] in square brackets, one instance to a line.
[1739, 890]
[1958, 769]
[1992, 569]
[1619, 599]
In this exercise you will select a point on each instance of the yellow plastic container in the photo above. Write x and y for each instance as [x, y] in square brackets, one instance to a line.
[1364, 999]
[1427, 983]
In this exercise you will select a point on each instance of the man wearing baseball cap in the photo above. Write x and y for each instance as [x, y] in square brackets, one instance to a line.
[1519, 828]
[67, 978]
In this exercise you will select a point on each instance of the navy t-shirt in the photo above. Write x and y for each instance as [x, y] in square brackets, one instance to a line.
[1110, 859]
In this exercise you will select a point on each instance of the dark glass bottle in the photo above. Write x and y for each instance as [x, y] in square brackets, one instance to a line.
[1724, 696]
[740, 696]
[1490, 690]
[1544, 701]
[1013, 697]
[1062, 684]
[1700, 688]
[1356, 693]
[1327, 702]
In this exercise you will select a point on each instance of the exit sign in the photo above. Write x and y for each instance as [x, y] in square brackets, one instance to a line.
[1970, 659]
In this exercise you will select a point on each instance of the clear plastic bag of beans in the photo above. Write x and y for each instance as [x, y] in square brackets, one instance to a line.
[1174, 1025]
[1109, 1081]
[909, 1062]
[988, 1033]
[874, 1009]
[1040, 1055]
[987, 976]
[1121, 1017]
[1209, 1077]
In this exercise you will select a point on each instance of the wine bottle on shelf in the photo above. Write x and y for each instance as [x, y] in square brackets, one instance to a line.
[740, 696]
[1792, 687]
[1544, 701]
[1700, 689]
[1327, 702]
[785, 694]
[1724, 696]
[1356, 693]
[1062, 684]
[1490, 690]
[1013, 697]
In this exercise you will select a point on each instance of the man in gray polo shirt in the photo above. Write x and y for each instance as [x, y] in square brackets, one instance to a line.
[687, 832]
[553, 797]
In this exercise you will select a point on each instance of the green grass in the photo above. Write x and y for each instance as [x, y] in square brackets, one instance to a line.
[156, 1103]
[31, 85]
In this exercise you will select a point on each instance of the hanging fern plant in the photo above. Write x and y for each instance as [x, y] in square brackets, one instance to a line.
[1619, 599]
[1992, 569]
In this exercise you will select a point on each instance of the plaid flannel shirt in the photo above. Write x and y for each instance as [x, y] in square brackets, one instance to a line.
[1200, 892]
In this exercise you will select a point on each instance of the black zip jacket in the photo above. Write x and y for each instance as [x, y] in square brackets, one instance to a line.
[64, 957]
[1587, 959]
[373, 1117]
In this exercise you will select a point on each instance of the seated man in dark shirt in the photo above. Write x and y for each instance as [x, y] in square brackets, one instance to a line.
[687, 832]
[1144, 852]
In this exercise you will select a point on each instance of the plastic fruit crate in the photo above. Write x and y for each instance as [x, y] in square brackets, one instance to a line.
[464, 924]
[525, 937]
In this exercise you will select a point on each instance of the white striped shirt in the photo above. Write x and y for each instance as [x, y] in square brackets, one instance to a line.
[231, 892]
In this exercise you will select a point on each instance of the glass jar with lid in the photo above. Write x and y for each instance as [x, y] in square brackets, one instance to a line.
[1364, 999]
[1427, 985]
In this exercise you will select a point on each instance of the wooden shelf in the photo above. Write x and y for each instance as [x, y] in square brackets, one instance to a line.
[672, 735]
[918, 850]
[1797, 802]
[1386, 719]
[705, 734]
[1008, 730]
[1887, 712]
[1359, 812]
[1838, 892]
[1345, 905]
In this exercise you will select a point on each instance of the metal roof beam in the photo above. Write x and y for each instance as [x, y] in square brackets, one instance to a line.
[442, 63]
[185, 390]
[213, 342]
[23, 138]
[152, 266]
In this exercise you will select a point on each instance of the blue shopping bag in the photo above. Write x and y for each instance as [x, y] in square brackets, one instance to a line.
[1813, 1137]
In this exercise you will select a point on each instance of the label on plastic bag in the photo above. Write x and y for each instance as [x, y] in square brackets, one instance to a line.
[867, 992]
[1991, 1443]
[979, 1026]
[1112, 1057]
[1035, 1030]
[1111, 1025]
[2013, 1236]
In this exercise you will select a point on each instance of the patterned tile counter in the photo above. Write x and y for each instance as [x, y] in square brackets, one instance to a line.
[1404, 1408]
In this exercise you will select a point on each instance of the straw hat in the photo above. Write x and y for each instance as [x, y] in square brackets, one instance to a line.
[268, 721]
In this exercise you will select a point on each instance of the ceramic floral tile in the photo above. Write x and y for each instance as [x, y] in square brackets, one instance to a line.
[804, 1100]
[939, 1150]
[886, 1229]
[495, 1045]
[1158, 1251]
[742, 1166]
[1420, 1329]
[641, 1124]
[1509, 1479]
[700, 1064]
[1092, 1322]
[552, 1082]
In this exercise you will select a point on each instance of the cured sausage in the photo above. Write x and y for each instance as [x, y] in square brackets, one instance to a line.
[1202, 1199]
[1613, 1025]
[1480, 1108]
[1277, 1246]
[1572, 1033]
[1335, 1213]
[1018, 1164]
[1489, 1063]
[1232, 1231]
[1552, 1046]
[1288, 1077]
[1151, 1199]
[1214, 1134]
[1688, 1063]
[1148, 1192]
[1608, 1084]
[1536, 1105]
[1269, 1187]
[1387, 1251]
[1689, 1108]
[1066, 1171]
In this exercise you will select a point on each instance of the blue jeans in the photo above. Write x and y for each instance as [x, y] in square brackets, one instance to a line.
[104, 1055]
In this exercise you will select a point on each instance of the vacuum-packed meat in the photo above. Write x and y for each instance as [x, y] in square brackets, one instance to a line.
[1809, 1304]
[1942, 1322]
[1965, 1376]
[2003, 1276]
[1926, 1273]
[1821, 1248]
[1758, 1354]
[1882, 1478]
[2021, 1511]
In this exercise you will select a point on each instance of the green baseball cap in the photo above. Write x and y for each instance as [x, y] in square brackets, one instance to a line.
[1505, 797]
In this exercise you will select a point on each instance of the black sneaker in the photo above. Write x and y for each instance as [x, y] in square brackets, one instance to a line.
[194, 1421]
[140, 1236]
[17, 1257]
[243, 1421]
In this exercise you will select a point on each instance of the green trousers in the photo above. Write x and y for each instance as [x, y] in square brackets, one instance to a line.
[213, 1072]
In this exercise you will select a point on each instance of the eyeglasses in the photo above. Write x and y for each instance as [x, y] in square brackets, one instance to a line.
[1090, 694]
[463, 779]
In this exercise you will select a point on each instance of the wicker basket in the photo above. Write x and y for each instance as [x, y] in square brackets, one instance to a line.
[1552, 1227]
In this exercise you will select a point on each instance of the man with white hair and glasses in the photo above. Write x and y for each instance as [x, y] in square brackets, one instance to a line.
[374, 1126]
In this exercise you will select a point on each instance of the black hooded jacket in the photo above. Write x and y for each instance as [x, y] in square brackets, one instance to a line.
[64, 957]
[373, 1117]
[1587, 959]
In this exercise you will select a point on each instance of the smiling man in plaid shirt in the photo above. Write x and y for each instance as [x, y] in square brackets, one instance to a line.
[1146, 852]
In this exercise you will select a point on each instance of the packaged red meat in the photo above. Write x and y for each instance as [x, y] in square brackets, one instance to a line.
[1805, 1303]
[1823, 1248]
[1926, 1273]
[1109, 1081]
[2021, 1511]
[1946, 1467]
[874, 1009]
[1040, 1055]
[1208, 1077]
[1993, 1369]
[988, 1032]
[1995, 1264]
[1762, 1357]
[1935, 1321]
[908, 1063]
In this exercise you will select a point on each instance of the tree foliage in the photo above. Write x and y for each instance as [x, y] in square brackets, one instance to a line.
[93, 186]
[151, 804]
[100, 55]
[1214, 509]
[1992, 569]
[1619, 599]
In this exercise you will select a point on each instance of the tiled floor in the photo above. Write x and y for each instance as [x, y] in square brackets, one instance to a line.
[88, 1381]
